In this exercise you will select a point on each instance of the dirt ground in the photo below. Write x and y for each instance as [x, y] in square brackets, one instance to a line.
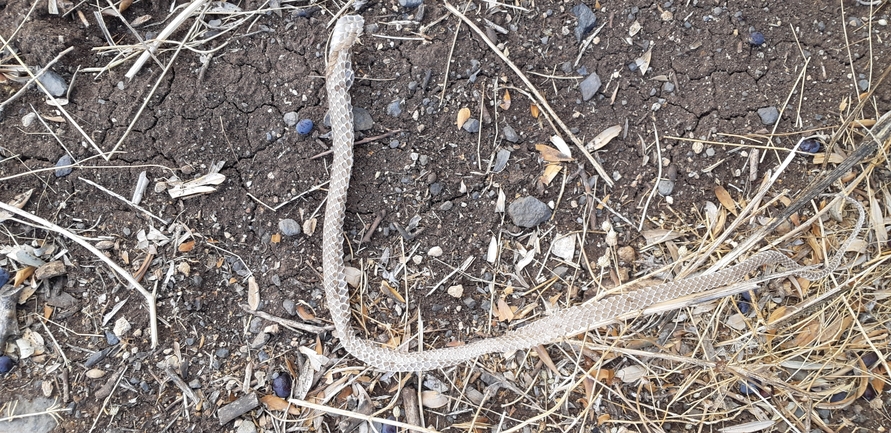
[695, 112]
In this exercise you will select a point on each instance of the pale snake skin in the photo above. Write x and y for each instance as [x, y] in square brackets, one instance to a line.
[564, 323]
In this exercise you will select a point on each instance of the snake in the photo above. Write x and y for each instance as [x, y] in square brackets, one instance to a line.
[564, 323]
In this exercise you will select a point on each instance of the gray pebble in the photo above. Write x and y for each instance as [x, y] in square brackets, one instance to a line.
[290, 118]
[394, 144]
[668, 87]
[423, 160]
[195, 384]
[290, 306]
[54, 83]
[289, 227]
[259, 341]
[864, 85]
[435, 188]
[528, 212]
[710, 151]
[501, 160]
[395, 108]
[510, 134]
[410, 3]
[665, 187]
[586, 20]
[566, 67]
[717, 10]
[256, 325]
[590, 86]
[445, 206]
[768, 115]
[469, 302]
[275, 279]
[472, 125]
[111, 338]
[63, 161]
[222, 352]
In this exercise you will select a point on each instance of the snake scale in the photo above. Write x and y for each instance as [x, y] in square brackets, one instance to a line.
[565, 323]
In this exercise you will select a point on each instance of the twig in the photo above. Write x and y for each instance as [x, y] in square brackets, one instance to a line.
[351, 414]
[163, 35]
[33, 78]
[287, 322]
[541, 100]
[124, 199]
[149, 297]
[108, 398]
[652, 194]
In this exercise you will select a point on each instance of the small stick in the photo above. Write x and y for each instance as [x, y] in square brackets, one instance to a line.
[351, 414]
[287, 322]
[377, 220]
[541, 100]
[33, 78]
[362, 141]
[46, 225]
[164, 34]
[123, 199]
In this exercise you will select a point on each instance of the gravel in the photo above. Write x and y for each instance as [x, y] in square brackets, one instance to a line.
[590, 86]
[586, 20]
[471, 125]
[501, 160]
[394, 108]
[768, 115]
[62, 162]
[54, 83]
[290, 118]
[289, 227]
[528, 212]
[510, 134]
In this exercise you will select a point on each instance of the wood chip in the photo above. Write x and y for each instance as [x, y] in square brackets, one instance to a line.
[463, 115]
[505, 101]
[253, 293]
[241, 406]
[50, 270]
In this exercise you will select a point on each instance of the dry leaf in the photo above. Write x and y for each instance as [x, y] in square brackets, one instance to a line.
[504, 312]
[505, 102]
[550, 172]
[605, 137]
[186, 246]
[833, 159]
[433, 399]
[776, 314]
[304, 313]
[18, 201]
[725, 199]
[392, 292]
[253, 293]
[274, 402]
[561, 145]
[534, 110]
[550, 154]
[22, 275]
[463, 115]
[643, 62]
[631, 373]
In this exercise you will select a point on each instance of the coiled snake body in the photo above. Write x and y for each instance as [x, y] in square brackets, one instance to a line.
[565, 323]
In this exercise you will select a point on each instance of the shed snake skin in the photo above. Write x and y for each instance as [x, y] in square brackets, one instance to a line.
[565, 323]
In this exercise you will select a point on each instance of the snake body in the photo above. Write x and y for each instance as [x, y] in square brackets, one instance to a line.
[565, 323]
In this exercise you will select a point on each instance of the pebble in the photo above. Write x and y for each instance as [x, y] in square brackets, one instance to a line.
[590, 86]
[566, 67]
[501, 160]
[6, 364]
[28, 119]
[710, 152]
[410, 3]
[121, 327]
[768, 115]
[668, 87]
[395, 108]
[435, 188]
[435, 252]
[471, 125]
[54, 83]
[446, 206]
[456, 291]
[665, 187]
[304, 126]
[756, 39]
[222, 352]
[111, 338]
[289, 227]
[810, 145]
[510, 134]
[362, 120]
[528, 212]
[864, 85]
[586, 20]
[281, 385]
[62, 162]
[290, 306]
[394, 144]
[246, 426]
[290, 118]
